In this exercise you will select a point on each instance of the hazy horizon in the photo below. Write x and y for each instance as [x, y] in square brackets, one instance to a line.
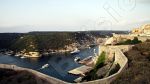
[72, 15]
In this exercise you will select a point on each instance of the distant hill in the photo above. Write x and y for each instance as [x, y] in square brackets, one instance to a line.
[44, 41]
[7, 39]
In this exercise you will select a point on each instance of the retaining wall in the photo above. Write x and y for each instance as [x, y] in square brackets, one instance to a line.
[120, 58]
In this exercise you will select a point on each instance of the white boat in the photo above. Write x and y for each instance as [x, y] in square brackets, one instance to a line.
[23, 57]
[75, 51]
[53, 52]
[17, 55]
[77, 59]
[8, 54]
[44, 66]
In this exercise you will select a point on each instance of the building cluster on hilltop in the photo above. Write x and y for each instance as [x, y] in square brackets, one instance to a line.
[142, 31]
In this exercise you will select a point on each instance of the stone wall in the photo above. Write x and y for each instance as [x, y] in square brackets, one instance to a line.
[119, 37]
[123, 37]
[120, 58]
[47, 79]
[124, 48]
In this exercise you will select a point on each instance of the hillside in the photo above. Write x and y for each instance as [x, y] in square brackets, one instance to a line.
[7, 39]
[49, 41]
[41, 42]
[138, 71]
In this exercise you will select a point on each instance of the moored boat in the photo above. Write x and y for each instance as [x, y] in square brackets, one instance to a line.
[77, 59]
[76, 51]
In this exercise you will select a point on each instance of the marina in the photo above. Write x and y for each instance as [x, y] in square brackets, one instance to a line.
[54, 65]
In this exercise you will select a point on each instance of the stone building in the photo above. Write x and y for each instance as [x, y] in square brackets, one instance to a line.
[142, 31]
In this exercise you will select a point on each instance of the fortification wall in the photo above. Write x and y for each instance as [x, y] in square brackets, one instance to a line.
[120, 58]
[119, 37]
[124, 48]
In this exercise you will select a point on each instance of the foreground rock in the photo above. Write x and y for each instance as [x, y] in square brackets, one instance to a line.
[8, 76]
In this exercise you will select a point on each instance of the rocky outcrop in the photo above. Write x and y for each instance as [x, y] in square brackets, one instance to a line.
[103, 71]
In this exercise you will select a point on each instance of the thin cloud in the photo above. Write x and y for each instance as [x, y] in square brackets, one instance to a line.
[144, 1]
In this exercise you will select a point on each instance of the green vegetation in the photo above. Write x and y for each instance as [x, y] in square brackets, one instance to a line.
[7, 39]
[54, 40]
[49, 41]
[100, 63]
[129, 41]
[42, 41]
[27, 42]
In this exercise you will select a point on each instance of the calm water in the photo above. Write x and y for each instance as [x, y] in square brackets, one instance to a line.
[58, 64]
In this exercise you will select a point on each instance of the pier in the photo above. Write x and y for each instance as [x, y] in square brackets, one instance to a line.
[80, 70]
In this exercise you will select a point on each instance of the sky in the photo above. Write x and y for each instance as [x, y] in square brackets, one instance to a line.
[72, 15]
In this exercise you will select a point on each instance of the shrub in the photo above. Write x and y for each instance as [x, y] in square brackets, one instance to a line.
[135, 41]
[129, 41]
[100, 63]
[148, 40]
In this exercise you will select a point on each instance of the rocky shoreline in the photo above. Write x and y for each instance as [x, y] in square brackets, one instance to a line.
[66, 50]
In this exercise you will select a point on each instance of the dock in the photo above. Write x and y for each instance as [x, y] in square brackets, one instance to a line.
[89, 61]
[80, 70]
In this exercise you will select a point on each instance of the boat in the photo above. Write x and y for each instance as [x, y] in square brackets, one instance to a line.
[76, 51]
[86, 60]
[23, 57]
[53, 52]
[17, 55]
[93, 45]
[77, 59]
[45, 54]
[44, 66]
[8, 54]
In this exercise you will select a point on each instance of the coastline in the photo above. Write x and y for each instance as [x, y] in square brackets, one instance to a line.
[39, 54]
[55, 80]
